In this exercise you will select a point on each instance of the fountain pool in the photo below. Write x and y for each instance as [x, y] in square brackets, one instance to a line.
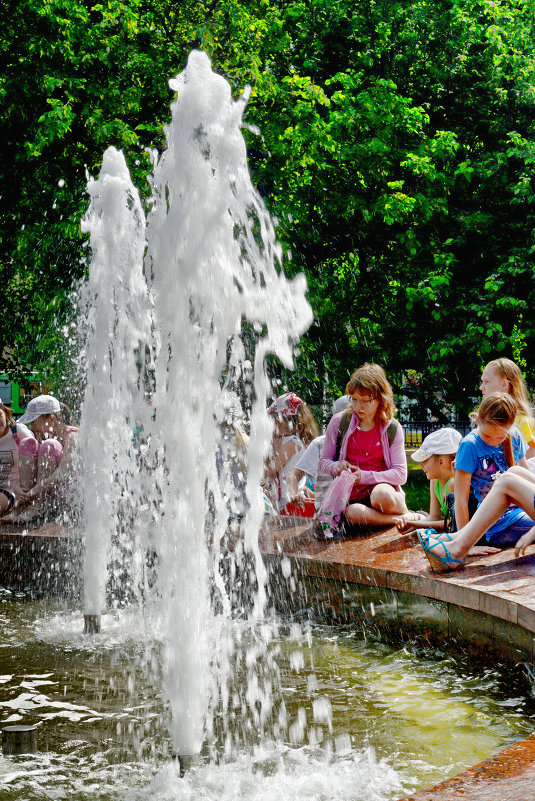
[364, 720]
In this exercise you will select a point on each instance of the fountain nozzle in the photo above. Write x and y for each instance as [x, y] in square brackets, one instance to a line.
[185, 762]
[19, 740]
[91, 624]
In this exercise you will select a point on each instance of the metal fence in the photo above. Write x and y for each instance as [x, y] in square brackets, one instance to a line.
[417, 430]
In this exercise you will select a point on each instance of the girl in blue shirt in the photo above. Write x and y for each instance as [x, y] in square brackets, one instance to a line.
[483, 456]
[485, 453]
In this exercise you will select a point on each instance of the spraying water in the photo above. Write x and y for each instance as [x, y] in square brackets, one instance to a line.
[219, 302]
[116, 322]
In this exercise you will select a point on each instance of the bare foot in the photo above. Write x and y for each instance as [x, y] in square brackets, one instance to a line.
[23, 516]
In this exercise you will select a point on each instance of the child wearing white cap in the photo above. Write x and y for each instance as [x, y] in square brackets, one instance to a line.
[436, 456]
[294, 429]
[51, 452]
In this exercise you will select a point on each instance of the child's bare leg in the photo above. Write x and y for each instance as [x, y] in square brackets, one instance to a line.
[386, 505]
[386, 499]
[517, 470]
[27, 470]
[510, 487]
[46, 465]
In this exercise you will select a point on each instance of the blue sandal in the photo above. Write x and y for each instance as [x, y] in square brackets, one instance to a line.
[426, 533]
[438, 563]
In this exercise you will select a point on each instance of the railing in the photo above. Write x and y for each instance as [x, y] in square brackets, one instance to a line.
[417, 430]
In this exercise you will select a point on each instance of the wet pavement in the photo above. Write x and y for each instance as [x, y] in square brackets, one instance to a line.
[500, 585]
[507, 776]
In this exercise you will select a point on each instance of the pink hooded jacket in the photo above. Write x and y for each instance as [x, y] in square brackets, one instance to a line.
[394, 455]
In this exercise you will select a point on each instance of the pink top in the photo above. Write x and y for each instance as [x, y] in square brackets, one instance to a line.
[395, 460]
[364, 449]
[10, 445]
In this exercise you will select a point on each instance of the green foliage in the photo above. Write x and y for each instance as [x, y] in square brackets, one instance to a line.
[404, 159]
[396, 151]
[75, 78]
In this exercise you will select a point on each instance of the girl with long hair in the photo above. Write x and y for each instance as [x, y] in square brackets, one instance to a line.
[504, 375]
[484, 455]
[294, 430]
[372, 448]
[516, 486]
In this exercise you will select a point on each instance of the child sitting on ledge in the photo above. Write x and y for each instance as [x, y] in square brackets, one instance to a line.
[436, 456]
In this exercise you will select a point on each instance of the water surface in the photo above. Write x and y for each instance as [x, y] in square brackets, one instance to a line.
[360, 719]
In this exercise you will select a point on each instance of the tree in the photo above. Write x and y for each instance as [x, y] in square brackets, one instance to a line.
[396, 151]
[400, 166]
[75, 78]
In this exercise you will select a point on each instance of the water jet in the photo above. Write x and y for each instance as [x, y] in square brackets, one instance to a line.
[181, 307]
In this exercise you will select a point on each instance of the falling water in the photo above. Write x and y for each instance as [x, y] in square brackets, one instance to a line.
[219, 304]
[116, 321]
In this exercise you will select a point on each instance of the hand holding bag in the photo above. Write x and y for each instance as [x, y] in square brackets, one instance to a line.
[334, 502]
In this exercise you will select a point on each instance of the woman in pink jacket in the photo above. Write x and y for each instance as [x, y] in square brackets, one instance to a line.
[368, 441]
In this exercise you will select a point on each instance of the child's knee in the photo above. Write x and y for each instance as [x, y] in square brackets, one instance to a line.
[29, 447]
[506, 481]
[354, 513]
[50, 450]
[385, 499]
[514, 470]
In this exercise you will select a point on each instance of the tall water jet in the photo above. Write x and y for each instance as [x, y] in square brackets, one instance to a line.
[116, 321]
[211, 257]
[212, 265]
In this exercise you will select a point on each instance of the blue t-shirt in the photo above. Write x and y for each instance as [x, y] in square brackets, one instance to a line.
[485, 463]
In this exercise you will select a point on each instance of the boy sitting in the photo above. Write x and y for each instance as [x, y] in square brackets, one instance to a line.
[436, 456]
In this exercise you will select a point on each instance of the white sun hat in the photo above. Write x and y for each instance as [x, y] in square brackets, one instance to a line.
[42, 404]
[445, 440]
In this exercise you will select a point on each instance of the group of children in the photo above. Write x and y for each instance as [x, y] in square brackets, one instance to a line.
[348, 479]
[479, 485]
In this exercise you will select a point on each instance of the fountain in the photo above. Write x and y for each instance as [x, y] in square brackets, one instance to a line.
[180, 311]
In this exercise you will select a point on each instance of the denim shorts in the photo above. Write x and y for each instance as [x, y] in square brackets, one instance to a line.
[510, 536]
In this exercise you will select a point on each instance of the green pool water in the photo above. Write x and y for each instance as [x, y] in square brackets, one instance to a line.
[358, 719]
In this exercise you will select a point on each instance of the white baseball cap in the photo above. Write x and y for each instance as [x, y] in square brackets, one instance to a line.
[445, 440]
[42, 404]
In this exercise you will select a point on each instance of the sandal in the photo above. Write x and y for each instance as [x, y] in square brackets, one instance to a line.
[439, 562]
[11, 499]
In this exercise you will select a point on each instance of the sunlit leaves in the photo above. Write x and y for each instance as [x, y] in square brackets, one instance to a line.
[396, 151]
